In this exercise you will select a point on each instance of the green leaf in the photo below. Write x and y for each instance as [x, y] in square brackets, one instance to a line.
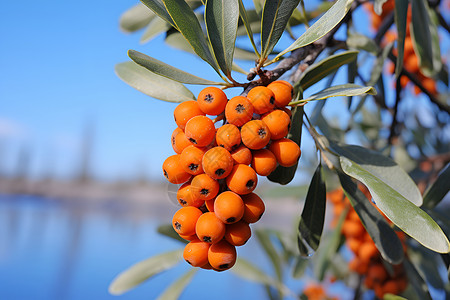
[299, 267]
[143, 270]
[264, 239]
[221, 18]
[174, 291]
[393, 297]
[437, 191]
[421, 36]
[401, 11]
[187, 24]
[313, 215]
[245, 19]
[380, 231]
[325, 67]
[284, 175]
[275, 15]
[168, 231]
[158, 8]
[326, 23]
[155, 86]
[342, 90]
[163, 69]
[175, 39]
[135, 18]
[156, 27]
[403, 213]
[362, 42]
[244, 54]
[435, 40]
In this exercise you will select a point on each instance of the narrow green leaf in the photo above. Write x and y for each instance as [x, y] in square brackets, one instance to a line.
[264, 239]
[326, 23]
[275, 15]
[362, 42]
[403, 213]
[401, 11]
[151, 84]
[284, 175]
[174, 291]
[437, 191]
[421, 36]
[143, 270]
[416, 281]
[245, 19]
[221, 18]
[343, 90]
[313, 215]
[163, 69]
[175, 39]
[158, 8]
[168, 231]
[380, 231]
[187, 23]
[300, 266]
[238, 69]
[135, 18]
[244, 54]
[156, 27]
[325, 67]
[435, 40]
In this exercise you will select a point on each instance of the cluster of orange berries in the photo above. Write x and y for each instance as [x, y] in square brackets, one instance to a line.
[218, 167]
[315, 291]
[367, 260]
[410, 59]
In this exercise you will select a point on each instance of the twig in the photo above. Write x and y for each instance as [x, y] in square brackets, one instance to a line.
[398, 90]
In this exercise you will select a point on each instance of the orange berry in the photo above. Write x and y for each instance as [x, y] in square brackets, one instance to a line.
[262, 99]
[228, 136]
[237, 234]
[185, 111]
[222, 255]
[358, 265]
[286, 151]
[353, 244]
[191, 159]
[204, 187]
[283, 92]
[192, 237]
[210, 204]
[367, 251]
[173, 170]
[242, 155]
[239, 110]
[229, 207]
[253, 208]
[196, 253]
[200, 131]
[217, 162]
[412, 63]
[179, 141]
[390, 287]
[242, 179]
[263, 162]
[212, 100]
[255, 134]
[377, 273]
[353, 229]
[210, 228]
[186, 198]
[429, 84]
[185, 219]
[278, 123]
[408, 48]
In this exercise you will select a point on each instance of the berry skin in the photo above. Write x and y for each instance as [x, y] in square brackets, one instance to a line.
[173, 170]
[210, 204]
[222, 255]
[200, 131]
[179, 141]
[229, 207]
[255, 134]
[185, 219]
[242, 155]
[253, 208]
[242, 179]
[283, 92]
[262, 99]
[228, 136]
[186, 111]
[239, 110]
[286, 151]
[278, 123]
[352, 229]
[192, 237]
[196, 253]
[377, 273]
[217, 163]
[237, 234]
[191, 160]
[209, 228]
[204, 187]
[367, 251]
[212, 100]
[186, 198]
[263, 162]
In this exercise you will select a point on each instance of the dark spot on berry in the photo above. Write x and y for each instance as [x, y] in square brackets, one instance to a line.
[182, 202]
[177, 226]
[188, 262]
[220, 172]
[250, 184]
[292, 93]
[223, 266]
[193, 167]
[240, 108]
[173, 140]
[231, 220]
[272, 100]
[193, 141]
[207, 239]
[165, 174]
[262, 132]
[260, 216]
[209, 98]
[204, 192]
